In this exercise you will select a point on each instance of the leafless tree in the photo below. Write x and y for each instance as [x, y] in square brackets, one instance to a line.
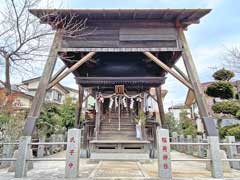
[24, 41]
[232, 58]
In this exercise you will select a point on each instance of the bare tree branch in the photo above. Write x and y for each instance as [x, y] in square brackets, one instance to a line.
[23, 39]
[2, 82]
[232, 58]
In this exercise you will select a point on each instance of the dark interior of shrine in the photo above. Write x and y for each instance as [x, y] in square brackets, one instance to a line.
[132, 69]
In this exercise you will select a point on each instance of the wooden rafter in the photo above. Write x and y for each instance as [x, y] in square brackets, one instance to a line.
[181, 73]
[72, 68]
[168, 69]
[58, 72]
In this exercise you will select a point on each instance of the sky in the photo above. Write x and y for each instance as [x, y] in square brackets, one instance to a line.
[208, 40]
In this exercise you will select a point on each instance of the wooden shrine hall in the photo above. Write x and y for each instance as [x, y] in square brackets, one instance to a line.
[119, 54]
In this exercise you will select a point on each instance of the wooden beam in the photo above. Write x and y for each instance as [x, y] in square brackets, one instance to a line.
[128, 49]
[72, 68]
[160, 106]
[79, 106]
[98, 117]
[93, 61]
[166, 68]
[58, 72]
[197, 89]
[42, 87]
[181, 73]
[151, 96]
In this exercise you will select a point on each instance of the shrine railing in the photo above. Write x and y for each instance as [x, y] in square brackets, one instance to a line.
[24, 154]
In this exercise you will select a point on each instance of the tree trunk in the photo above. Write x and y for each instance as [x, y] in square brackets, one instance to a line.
[7, 83]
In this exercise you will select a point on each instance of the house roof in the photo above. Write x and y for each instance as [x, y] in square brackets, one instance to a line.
[66, 89]
[184, 16]
[71, 89]
[178, 106]
[16, 90]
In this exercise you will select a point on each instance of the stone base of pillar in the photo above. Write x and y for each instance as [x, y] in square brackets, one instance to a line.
[225, 165]
[12, 167]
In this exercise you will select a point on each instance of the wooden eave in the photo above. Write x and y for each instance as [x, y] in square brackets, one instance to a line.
[190, 98]
[184, 16]
[110, 81]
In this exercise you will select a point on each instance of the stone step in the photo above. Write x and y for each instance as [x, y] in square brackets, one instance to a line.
[117, 132]
[116, 129]
[116, 124]
[117, 138]
[116, 120]
[121, 117]
[127, 133]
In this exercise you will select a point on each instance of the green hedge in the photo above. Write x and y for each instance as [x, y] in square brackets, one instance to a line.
[221, 89]
[232, 130]
[226, 107]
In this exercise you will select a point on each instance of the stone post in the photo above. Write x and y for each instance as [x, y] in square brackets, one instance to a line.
[40, 151]
[23, 154]
[163, 151]
[232, 152]
[189, 146]
[214, 152]
[200, 148]
[54, 146]
[61, 139]
[73, 153]
[174, 140]
[181, 140]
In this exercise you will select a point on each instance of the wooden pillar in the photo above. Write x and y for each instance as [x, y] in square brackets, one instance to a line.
[160, 106]
[98, 117]
[119, 112]
[42, 87]
[109, 114]
[79, 106]
[195, 82]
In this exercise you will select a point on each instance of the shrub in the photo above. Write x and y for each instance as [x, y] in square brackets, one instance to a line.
[49, 120]
[171, 123]
[232, 130]
[55, 118]
[68, 113]
[238, 114]
[186, 124]
[226, 107]
[221, 89]
[223, 75]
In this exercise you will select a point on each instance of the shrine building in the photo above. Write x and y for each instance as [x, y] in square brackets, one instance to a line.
[119, 55]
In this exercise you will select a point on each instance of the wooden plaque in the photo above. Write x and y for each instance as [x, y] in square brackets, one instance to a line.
[119, 89]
